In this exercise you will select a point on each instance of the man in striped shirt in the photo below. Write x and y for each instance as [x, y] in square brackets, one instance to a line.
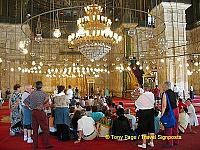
[37, 101]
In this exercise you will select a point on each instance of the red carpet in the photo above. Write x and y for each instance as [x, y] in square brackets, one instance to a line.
[189, 141]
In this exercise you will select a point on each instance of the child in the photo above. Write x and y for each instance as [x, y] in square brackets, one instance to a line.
[192, 115]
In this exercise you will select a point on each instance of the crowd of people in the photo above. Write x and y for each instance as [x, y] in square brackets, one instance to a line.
[68, 116]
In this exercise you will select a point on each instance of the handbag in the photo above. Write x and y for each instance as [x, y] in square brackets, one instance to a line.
[168, 119]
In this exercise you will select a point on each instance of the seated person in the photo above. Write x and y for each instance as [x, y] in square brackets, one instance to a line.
[132, 118]
[88, 111]
[78, 106]
[192, 115]
[183, 120]
[104, 125]
[157, 116]
[74, 123]
[86, 128]
[96, 115]
[121, 125]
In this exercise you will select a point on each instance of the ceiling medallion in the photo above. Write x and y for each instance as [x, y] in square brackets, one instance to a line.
[94, 37]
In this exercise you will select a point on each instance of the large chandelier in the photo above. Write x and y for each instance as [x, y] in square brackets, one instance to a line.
[94, 37]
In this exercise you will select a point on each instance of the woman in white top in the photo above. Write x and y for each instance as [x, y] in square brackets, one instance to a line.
[192, 115]
[86, 128]
[145, 106]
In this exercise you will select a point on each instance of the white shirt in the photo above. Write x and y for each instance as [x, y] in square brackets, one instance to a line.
[87, 125]
[61, 94]
[24, 96]
[176, 90]
[145, 101]
[70, 93]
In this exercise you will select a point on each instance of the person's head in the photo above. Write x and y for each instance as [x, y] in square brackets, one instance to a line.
[94, 108]
[174, 85]
[83, 112]
[156, 86]
[17, 87]
[77, 104]
[90, 97]
[120, 112]
[167, 85]
[72, 109]
[113, 105]
[88, 108]
[121, 103]
[188, 101]
[108, 113]
[69, 86]
[60, 88]
[38, 85]
[28, 88]
[180, 100]
[127, 111]
[77, 114]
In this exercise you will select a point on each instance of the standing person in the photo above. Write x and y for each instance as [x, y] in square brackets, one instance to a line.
[191, 92]
[145, 106]
[193, 121]
[15, 110]
[62, 119]
[8, 93]
[165, 108]
[37, 101]
[70, 92]
[157, 94]
[27, 119]
[176, 91]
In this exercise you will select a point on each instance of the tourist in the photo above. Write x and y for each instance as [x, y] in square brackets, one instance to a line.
[61, 114]
[78, 106]
[176, 91]
[165, 108]
[86, 128]
[121, 125]
[104, 125]
[70, 92]
[156, 92]
[15, 110]
[183, 116]
[157, 116]
[88, 111]
[8, 93]
[131, 117]
[96, 115]
[76, 93]
[37, 101]
[191, 93]
[192, 115]
[145, 107]
[27, 116]
[74, 123]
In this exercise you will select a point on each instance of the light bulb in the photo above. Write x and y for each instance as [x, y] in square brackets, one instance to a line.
[21, 45]
[41, 64]
[56, 33]
[25, 51]
[196, 64]
[162, 60]
[12, 69]
[138, 63]
[33, 63]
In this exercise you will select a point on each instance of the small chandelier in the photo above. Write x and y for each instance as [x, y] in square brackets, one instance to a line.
[94, 37]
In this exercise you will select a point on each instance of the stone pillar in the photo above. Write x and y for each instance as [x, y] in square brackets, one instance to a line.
[173, 16]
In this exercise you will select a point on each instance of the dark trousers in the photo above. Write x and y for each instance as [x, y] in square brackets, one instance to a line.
[39, 118]
[62, 132]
